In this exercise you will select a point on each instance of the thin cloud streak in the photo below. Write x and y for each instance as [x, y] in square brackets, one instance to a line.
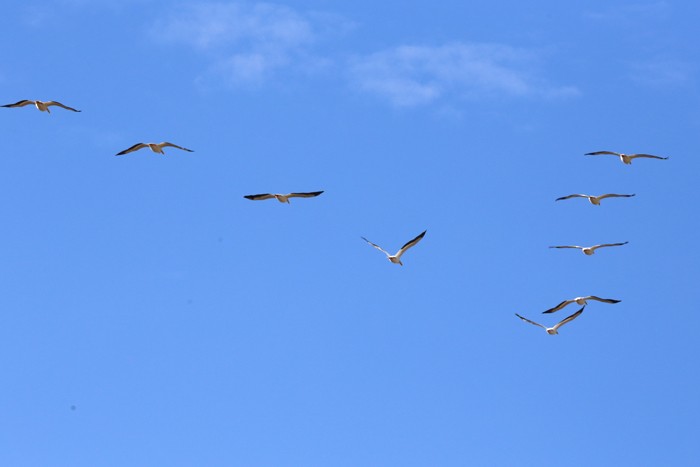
[248, 42]
[419, 75]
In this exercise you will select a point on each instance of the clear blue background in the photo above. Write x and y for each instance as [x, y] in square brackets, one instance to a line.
[153, 316]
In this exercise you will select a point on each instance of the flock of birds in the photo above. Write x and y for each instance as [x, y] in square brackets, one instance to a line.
[589, 250]
[396, 258]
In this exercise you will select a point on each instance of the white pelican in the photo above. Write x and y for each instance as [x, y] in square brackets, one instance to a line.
[581, 301]
[589, 250]
[283, 198]
[553, 329]
[155, 147]
[625, 158]
[396, 259]
[41, 105]
[595, 200]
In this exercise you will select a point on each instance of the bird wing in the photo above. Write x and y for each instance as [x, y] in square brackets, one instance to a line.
[376, 246]
[614, 195]
[260, 196]
[600, 153]
[21, 103]
[171, 145]
[567, 246]
[569, 318]
[604, 300]
[133, 148]
[61, 105]
[559, 307]
[410, 244]
[571, 196]
[531, 322]
[608, 244]
[649, 156]
[304, 195]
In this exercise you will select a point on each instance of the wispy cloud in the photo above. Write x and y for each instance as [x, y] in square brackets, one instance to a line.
[629, 13]
[663, 72]
[247, 42]
[415, 75]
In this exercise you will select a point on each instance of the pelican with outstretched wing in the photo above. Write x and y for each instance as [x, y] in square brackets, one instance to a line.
[625, 158]
[553, 329]
[155, 147]
[581, 301]
[41, 105]
[396, 259]
[283, 198]
[589, 250]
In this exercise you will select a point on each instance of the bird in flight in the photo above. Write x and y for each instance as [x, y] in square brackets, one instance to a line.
[155, 147]
[580, 301]
[396, 259]
[41, 105]
[553, 329]
[283, 198]
[625, 158]
[589, 250]
[595, 200]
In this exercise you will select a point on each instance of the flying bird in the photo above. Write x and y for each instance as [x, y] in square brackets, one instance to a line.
[155, 147]
[580, 301]
[553, 329]
[625, 158]
[595, 200]
[41, 105]
[283, 198]
[396, 259]
[589, 250]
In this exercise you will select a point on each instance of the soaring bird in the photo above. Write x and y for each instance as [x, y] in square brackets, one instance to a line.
[589, 250]
[396, 259]
[594, 199]
[553, 329]
[625, 158]
[580, 301]
[283, 198]
[155, 147]
[41, 105]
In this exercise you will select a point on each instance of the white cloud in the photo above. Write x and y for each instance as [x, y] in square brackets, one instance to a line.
[414, 75]
[247, 42]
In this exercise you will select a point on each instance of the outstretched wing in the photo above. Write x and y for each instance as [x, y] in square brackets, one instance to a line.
[604, 300]
[260, 196]
[594, 247]
[569, 318]
[133, 148]
[376, 246]
[410, 244]
[531, 322]
[648, 156]
[560, 306]
[571, 196]
[171, 145]
[304, 195]
[61, 105]
[614, 195]
[600, 153]
[21, 103]
[567, 246]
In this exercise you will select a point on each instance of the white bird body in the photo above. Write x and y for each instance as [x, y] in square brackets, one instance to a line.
[396, 259]
[283, 198]
[625, 158]
[554, 329]
[155, 147]
[41, 105]
[595, 200]
[580, 301]
[589, 250]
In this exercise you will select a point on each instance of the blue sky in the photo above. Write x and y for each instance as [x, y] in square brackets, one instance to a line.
[153, 316]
